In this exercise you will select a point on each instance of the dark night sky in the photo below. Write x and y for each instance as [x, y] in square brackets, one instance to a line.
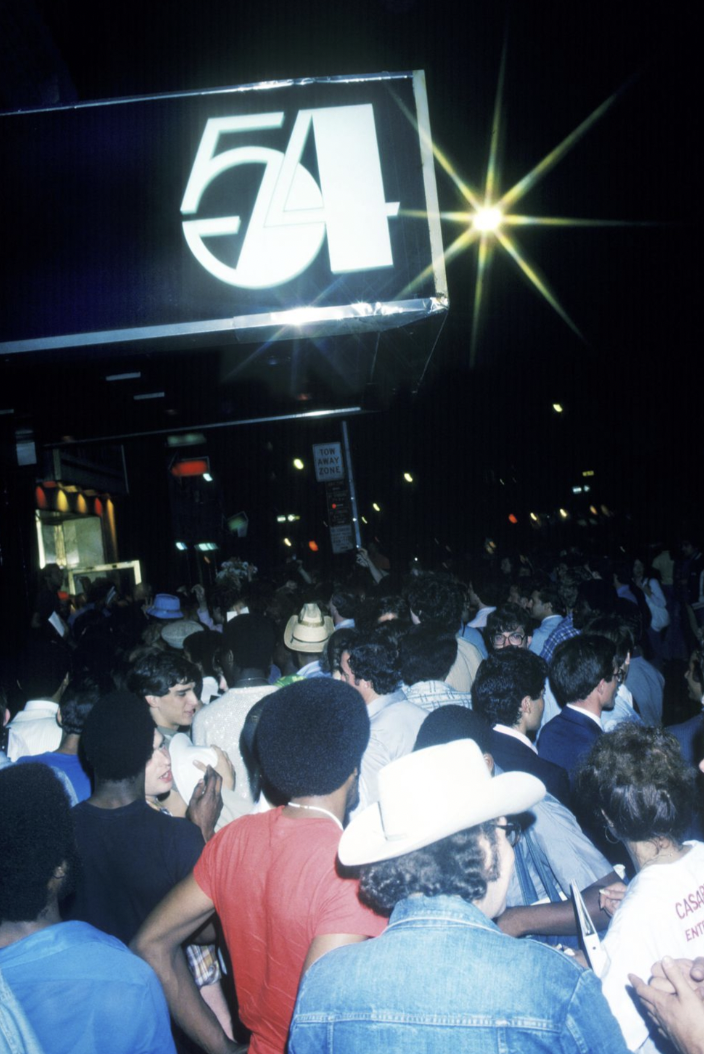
[631, 388]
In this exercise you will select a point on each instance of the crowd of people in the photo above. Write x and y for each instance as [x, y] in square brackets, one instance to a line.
[308, 814]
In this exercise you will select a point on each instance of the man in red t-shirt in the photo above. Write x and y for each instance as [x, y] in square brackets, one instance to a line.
[272, 876]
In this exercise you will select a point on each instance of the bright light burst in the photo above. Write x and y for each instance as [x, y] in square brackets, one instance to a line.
[487, 218]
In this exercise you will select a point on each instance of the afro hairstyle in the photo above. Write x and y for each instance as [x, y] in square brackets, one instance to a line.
[311, 736]
[36, 837]
[118, 737]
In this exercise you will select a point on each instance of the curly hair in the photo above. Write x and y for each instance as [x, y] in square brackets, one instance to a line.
[506, 619]
[252, 639]
[504, 680]
[377, 661]
[454, 866]
[427, 654]
[156, 673]
[79, 699]
[118, 737]
[637, 777]
[339, 641]
[36, 837]
[311, 736]
[392, 605]
[437, 598]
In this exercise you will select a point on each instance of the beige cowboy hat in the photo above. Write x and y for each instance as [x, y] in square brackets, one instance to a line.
[309, 630]
[430, 794]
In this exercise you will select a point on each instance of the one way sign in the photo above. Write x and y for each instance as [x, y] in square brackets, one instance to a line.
[329, 465]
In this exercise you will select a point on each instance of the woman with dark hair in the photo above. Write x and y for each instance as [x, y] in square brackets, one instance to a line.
[637, 784]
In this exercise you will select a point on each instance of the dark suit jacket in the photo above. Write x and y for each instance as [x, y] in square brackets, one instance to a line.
[567, 738]
[514, 756]
[690, 736]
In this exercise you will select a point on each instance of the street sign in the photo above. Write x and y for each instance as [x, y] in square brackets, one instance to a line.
[328, 461]
[341, 540]
[339, 516]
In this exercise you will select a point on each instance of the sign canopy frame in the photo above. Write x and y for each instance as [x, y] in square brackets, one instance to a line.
[101, 195]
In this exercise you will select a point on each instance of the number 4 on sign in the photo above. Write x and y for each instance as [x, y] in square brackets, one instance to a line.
[292, 214]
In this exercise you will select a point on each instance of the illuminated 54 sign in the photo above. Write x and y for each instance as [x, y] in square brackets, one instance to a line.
[292, 213]
[267, 211]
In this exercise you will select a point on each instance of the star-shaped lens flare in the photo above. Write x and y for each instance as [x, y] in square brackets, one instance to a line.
[488, 217]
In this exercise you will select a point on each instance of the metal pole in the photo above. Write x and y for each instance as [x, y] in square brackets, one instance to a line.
[350, 480]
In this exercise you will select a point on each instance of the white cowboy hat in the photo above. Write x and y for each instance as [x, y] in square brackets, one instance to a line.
[430, 794]
[309, 630]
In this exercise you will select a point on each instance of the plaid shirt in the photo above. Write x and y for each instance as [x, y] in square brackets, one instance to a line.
[429, 695]
[563, 632]
[203, 964]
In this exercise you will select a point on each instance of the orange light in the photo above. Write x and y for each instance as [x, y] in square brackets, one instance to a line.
[98, 507]
[313, 546]
[194, 467]
[512, 519]
[40, 498]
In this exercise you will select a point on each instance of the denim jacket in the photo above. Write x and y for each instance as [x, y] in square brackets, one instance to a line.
[443, 979]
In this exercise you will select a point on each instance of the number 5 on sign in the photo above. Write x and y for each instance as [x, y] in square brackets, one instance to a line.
[292, 214]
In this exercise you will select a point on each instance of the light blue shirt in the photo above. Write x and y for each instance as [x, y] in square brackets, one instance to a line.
[82, 991]
[542, 633]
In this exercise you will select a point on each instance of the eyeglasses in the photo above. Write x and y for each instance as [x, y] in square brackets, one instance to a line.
[511, 830]
[502, 639]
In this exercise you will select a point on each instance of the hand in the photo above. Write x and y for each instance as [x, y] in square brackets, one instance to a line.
[610, 898]
[224, 768]
[199, 592]
[678, 1012]
[206, 803]
[363, 558]
[693, 971]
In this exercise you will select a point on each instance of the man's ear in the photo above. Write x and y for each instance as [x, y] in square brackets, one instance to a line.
[526, 705]
[5, 716]
[152, 700]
